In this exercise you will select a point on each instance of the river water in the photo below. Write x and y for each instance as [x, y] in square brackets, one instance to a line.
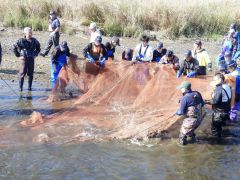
[109, 160]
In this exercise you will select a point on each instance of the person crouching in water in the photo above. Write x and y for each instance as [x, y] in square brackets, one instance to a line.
[191, 108]
[221, 100]
[111, 46]
[27, 49]
[170, 58]
[203, 58]
[59, 61]
[189, 67]
[159, 52]
[96, 52]
[143, 52]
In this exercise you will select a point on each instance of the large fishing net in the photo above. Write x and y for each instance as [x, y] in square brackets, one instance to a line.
[119, 101]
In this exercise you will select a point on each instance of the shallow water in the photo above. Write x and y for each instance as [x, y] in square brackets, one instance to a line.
[108, 160]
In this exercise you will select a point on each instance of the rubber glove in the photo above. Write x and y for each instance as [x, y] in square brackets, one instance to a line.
[179, 74]
[209, 66]
[191, 74]
[102, 62]
[90, 59]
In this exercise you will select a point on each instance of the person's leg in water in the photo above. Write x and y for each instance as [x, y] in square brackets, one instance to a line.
[188, 127]
[216, 126]
[55, 70]
[22, 73]
[30, 72]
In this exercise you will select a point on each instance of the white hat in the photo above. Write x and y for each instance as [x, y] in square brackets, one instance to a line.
[27, 29]
[92, 25]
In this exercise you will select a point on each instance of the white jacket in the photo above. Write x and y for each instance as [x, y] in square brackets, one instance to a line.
[94, 35]
[145, 52]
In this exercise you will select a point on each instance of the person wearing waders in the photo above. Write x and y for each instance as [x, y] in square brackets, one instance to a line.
[191, 108]
[189, 67]
[59, 60]
[220, 105]
[111, 46]
[234, 71]
[54, 28]
[143, 52]
[96, 53]
[27, 49]
[202, 56]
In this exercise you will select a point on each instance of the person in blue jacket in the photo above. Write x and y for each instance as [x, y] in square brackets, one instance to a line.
[111, 46]
[191, 108]
[59, 60]
[189, 67]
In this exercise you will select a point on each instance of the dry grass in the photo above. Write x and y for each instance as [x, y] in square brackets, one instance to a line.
[129, 17]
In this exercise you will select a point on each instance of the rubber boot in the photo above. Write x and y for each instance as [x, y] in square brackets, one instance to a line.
[182, 139]
[192, 138]
[30, 79]
[21, 84]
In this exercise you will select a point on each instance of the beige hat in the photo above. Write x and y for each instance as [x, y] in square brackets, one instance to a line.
[92, 25]
[27, 29]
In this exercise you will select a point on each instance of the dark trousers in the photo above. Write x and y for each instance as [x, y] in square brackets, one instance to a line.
[52, 40]
[217, 121]
[26, 68]
[202, 70]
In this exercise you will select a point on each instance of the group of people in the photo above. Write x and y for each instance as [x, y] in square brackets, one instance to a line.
[225, 97]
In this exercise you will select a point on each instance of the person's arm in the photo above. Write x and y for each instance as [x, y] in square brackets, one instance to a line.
[208, 60]
[176, 65]
[180, 71]
[37, 48]
[217, 96]
[104, 52]
[86, 51]
[16, 49]
[183, 106]
[135, 54]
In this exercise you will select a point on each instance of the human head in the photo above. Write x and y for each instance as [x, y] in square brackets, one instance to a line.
[188, 55]
[198, 44]
[63, 46]
[52, 14]
[115, 41]
[184, 86]
[145, 40]
[231, 66]
[218, 79]
[227, 56]
[92, 27]
[98, 40]
[169, 55]
[159, 45]
[233, 26]
[28, 32]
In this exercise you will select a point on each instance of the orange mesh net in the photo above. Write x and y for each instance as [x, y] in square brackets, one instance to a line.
[120, 101]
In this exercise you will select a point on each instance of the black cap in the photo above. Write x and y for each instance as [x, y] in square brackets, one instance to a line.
[169, 53]
[144, 38]
[188, 53]
[159, 45]
[198, 42]
[98, 39]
